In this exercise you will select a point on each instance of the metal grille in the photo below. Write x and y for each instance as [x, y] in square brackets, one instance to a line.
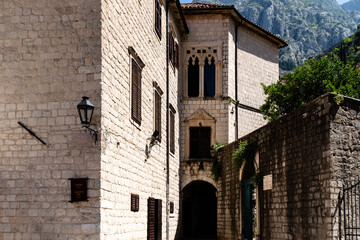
[349, 215]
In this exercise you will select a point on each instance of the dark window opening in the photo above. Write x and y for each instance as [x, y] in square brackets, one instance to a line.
[172, 132]
[136, 92]
[171, 207]
[158, 114]
[154, 219]
[200, 142]
[134, 202]
[209, 78]
[193, 78]
[158, 18]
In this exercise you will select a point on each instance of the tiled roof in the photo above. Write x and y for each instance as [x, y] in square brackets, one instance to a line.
[203, 5]
[199, 5]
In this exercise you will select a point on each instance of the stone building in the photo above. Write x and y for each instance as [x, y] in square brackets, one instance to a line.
[139, 62]
[306, 158]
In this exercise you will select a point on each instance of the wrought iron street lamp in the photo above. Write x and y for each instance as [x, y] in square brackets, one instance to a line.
[86, 111]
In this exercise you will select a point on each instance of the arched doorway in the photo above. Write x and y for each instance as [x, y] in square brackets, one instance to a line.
[199, 211]
[249, 210]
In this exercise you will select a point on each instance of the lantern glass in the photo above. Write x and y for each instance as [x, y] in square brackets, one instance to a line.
[86, 110]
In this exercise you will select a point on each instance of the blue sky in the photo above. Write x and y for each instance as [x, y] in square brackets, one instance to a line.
[187, 1]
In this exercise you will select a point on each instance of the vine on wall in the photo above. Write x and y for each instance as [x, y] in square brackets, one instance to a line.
[244, 156]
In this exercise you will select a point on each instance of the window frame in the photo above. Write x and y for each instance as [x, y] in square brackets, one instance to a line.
[172, 113]
[157, 18]
[157, 113]
[198, 152]
[135, 86]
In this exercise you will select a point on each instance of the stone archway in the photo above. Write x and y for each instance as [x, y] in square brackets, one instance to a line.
[199, 211]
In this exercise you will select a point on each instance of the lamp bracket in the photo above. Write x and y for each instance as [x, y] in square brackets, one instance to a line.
[93, 133]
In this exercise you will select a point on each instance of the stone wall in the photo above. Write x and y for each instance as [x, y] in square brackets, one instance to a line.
[49, 58]
[258, 62]
[125, 168]
[302, 151]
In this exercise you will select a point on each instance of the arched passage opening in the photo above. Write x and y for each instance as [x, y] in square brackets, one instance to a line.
[199, 211]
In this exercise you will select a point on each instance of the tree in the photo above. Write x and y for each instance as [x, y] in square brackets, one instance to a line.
[312, 79]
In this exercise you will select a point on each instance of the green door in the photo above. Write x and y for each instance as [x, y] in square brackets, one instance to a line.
[247, 203]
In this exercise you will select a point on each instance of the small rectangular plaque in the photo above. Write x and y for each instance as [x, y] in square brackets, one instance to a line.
[267, 182]
[78, 189]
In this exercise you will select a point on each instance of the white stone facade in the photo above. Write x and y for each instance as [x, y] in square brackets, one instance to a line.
[54, 52]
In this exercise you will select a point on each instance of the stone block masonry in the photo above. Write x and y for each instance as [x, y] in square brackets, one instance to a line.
[49, 58]
[306, 153]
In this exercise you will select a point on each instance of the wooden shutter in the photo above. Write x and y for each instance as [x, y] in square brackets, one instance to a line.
[134, 202]
[158, 18]
[151, 219]
[171, 207]
[154, 219]
[176, 55]
[158, 113]
[171, 48]
[136, 92]
[172, 132]
[158, 219]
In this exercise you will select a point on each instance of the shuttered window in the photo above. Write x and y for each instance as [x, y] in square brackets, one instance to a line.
[200, 142]
[154, 219]
[136, 92]
[134, 202]
[176, 55]
[158, 18]
[172, 132]
[157, 112]
[171, 48]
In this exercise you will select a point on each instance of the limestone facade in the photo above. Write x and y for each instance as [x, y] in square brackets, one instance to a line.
[54, 52]
[243, 60]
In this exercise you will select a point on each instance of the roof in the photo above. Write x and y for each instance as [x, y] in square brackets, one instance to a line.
[176, 9]
[213, 8]
[202, 5]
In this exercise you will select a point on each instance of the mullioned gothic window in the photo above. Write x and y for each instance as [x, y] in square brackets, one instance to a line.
[209, 77]
[193, 77]
[202, 70]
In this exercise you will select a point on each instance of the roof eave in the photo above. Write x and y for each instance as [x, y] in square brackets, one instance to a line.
[231, 10]
[176, 4]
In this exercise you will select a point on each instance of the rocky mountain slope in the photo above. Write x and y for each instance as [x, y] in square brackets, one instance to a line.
[309, 26]
[353, 5]
[347, 50]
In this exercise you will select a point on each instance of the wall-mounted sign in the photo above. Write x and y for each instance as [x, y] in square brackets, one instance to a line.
[78, 189]
[268, 182]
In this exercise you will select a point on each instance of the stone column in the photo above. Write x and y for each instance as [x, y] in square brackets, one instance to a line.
[218, 79]
[201, 79]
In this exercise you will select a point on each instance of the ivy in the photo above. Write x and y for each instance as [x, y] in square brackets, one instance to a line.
[216, 166]
[244, 156]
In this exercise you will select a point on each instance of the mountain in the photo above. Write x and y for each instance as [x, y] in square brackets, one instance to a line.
[308, 26]
[347, 50]
[353, 5]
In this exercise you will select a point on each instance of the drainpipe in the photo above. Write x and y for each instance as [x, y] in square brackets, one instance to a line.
[236, 85]
[167, 125]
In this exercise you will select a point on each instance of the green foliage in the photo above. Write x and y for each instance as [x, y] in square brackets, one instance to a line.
[257, 178]
[216, 166]
[214, 150]
[244, 154]
[314, 78]
[216, 170]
